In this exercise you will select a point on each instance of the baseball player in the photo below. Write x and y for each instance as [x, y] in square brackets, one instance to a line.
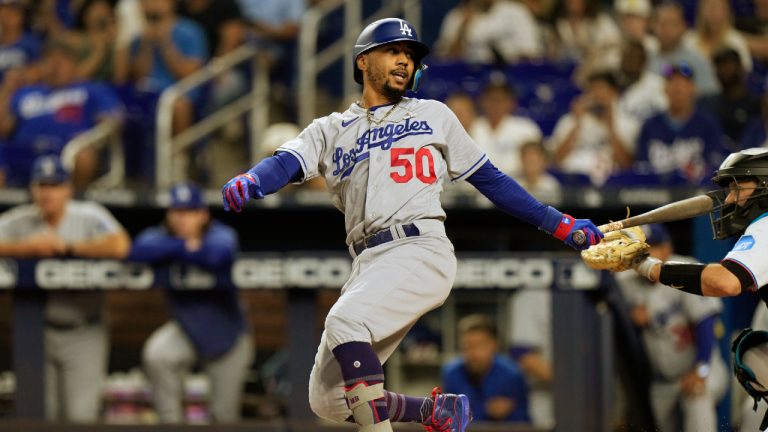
[384, 160]
[741, 210]
[76, 343]
[678, 331]
[208, 326]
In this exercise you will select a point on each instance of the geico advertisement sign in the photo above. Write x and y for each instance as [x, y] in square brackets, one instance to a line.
[281, 272]
[95, 274]
[502, 273]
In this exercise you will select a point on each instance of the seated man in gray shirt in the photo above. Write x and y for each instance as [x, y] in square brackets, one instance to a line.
[76, 344]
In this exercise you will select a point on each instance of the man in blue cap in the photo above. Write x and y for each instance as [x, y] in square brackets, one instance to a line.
[76, 343]
[206, 326]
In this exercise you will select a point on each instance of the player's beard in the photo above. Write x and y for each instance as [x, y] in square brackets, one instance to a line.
[392, 94]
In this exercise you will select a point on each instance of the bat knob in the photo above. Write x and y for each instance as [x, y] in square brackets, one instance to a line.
[579, 238]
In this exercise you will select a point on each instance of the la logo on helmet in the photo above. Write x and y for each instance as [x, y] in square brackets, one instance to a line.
[404, 29]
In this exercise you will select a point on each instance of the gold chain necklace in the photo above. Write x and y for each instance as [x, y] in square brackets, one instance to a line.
[369, 114]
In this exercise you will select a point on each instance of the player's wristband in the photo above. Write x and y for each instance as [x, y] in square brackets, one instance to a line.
[683, 276]
[553, 223]
[564, 227]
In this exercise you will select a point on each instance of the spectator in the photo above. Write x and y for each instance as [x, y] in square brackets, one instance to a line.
[634, 20]
[684, 139]
[678, 331]
[55, 17]
[40, 119]
[670, 28]
[735, 106]
[463, 106]
[587, 36]
[76, 343]
[541, 10]
[222, 22]
[714, 31]
[755, 134]
[95, 35]
[275, 26]
[754, 28]
[499, 131]
[19, 48]
[130, 21]
[533, 173]
[170, 49]
[208, 326]
[531, 347]
[489, 32]
[596, 138]
[494, 385]
[643, 91]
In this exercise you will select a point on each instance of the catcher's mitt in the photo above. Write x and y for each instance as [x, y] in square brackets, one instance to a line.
[618, 250]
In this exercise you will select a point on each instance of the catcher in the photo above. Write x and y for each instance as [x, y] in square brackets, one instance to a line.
[741, 207]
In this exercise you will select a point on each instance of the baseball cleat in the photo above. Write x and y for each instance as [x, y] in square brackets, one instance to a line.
[450, 412]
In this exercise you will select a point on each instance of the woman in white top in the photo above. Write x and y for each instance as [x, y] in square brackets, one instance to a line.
[587, 36]
[714, 30]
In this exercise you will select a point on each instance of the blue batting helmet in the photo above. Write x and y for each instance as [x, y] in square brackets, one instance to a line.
[386, 31]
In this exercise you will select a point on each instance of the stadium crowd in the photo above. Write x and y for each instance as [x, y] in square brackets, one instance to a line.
[644, 91]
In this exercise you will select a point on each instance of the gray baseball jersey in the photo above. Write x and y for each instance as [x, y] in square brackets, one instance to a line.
[389, 169]
[669, 337]
[750, 252]
[670, 343]
[76, 359]
[82, 221]
[383, 169]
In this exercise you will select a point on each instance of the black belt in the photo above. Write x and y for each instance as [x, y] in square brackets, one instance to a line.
[383, 236]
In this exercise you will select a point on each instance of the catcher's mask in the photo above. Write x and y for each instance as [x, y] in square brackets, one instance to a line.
[748, 339]
[731, 219]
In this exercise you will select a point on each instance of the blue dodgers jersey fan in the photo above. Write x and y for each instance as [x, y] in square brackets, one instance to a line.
[47, 118]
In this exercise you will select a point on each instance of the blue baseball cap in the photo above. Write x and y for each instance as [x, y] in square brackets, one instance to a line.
[186, 196]
[49, 170]
[681, 68]
[656, 234]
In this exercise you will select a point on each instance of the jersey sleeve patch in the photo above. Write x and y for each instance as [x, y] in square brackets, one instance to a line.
[745, 243]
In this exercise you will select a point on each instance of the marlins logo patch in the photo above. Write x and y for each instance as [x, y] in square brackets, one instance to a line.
[745, 243]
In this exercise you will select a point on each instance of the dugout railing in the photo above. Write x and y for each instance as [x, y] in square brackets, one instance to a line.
[172, 149]
[582, 334]
[105, 134]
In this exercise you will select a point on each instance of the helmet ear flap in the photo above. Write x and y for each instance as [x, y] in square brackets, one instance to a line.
[418, 74]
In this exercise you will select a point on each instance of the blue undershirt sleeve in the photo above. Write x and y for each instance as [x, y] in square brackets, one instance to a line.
[277, 171]
[153, 246]
[705, 338]
[217, 251]
[507, 194]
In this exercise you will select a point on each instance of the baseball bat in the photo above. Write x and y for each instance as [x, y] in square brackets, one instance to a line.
[677, 210]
